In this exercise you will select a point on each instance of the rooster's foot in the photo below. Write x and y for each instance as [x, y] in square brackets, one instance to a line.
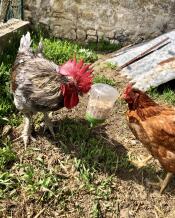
[162, 184]
[25, 138]
[49, 124]
[141, 163]
[26, 135]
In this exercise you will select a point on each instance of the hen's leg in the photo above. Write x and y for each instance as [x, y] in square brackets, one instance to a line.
[49, 124]
[162, 184]
[141, 163]
[165, 182]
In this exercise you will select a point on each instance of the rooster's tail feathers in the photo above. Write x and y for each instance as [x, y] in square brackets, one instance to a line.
[39, 50]
[25, 43]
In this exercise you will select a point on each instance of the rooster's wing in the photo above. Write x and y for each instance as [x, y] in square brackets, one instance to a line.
[37, 85]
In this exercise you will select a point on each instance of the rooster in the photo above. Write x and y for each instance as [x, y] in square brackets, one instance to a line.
[39, 85]
[154, 126]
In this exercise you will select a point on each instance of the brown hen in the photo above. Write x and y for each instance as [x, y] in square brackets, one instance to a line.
[154, 126]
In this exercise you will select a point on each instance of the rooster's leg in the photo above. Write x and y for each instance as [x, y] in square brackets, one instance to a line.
[49, 124]
[165, 182]
[141, 163]
[26, 134]
[27, 129]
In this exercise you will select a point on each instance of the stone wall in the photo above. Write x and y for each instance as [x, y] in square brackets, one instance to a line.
[115, 20]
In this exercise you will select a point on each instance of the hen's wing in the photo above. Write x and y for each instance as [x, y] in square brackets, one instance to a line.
[37, 85]
[161, 128]
[157, 133]
[156, 129]
[160, 132]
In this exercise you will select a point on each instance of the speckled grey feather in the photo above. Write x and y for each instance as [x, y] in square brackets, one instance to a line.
[35, 82]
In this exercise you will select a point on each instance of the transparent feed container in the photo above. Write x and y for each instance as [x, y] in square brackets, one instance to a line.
[101, 101]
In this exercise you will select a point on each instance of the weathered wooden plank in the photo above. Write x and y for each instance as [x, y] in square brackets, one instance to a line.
[12, 25]
[10, 28]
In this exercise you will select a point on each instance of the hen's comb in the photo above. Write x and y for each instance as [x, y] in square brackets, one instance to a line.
[128, 88]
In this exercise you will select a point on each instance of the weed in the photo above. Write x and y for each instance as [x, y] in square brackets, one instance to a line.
[111, 66]
[95, 210]
[8, 184]
[103, 46]
[104, 79]
[60, 51]
[6, 106]
[7, 157]
[167, 95]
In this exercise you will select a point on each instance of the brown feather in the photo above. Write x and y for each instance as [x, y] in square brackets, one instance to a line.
[154, 126]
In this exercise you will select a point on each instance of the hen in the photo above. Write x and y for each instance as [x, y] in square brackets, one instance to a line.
[154, 126]
[39, 85]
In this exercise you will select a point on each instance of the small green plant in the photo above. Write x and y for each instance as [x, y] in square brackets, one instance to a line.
[168, 95]
[111, 66]
[95, 213]
[60, 51]
[8, 184]
[104, 79]
[103, 46]
[7, 156]
[6, 106]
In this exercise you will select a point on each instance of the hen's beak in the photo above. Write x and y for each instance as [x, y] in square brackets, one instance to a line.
[122, 96]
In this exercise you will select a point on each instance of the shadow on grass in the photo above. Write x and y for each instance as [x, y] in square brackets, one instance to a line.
[92, 146]
[98, 152]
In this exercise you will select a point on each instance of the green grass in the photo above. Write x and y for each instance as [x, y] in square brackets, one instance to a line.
[60, 51]
[167, 95]
[111, 66]
[104, 79]
[103, 46]
[87, 165]
[6, 106]
[7, 156]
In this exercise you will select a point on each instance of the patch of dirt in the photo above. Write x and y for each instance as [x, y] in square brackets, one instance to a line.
[131, 193]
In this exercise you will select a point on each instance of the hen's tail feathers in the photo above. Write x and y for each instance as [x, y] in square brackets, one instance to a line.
[25, 43]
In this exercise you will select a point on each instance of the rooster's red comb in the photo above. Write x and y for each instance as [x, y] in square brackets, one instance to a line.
[80, 72]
